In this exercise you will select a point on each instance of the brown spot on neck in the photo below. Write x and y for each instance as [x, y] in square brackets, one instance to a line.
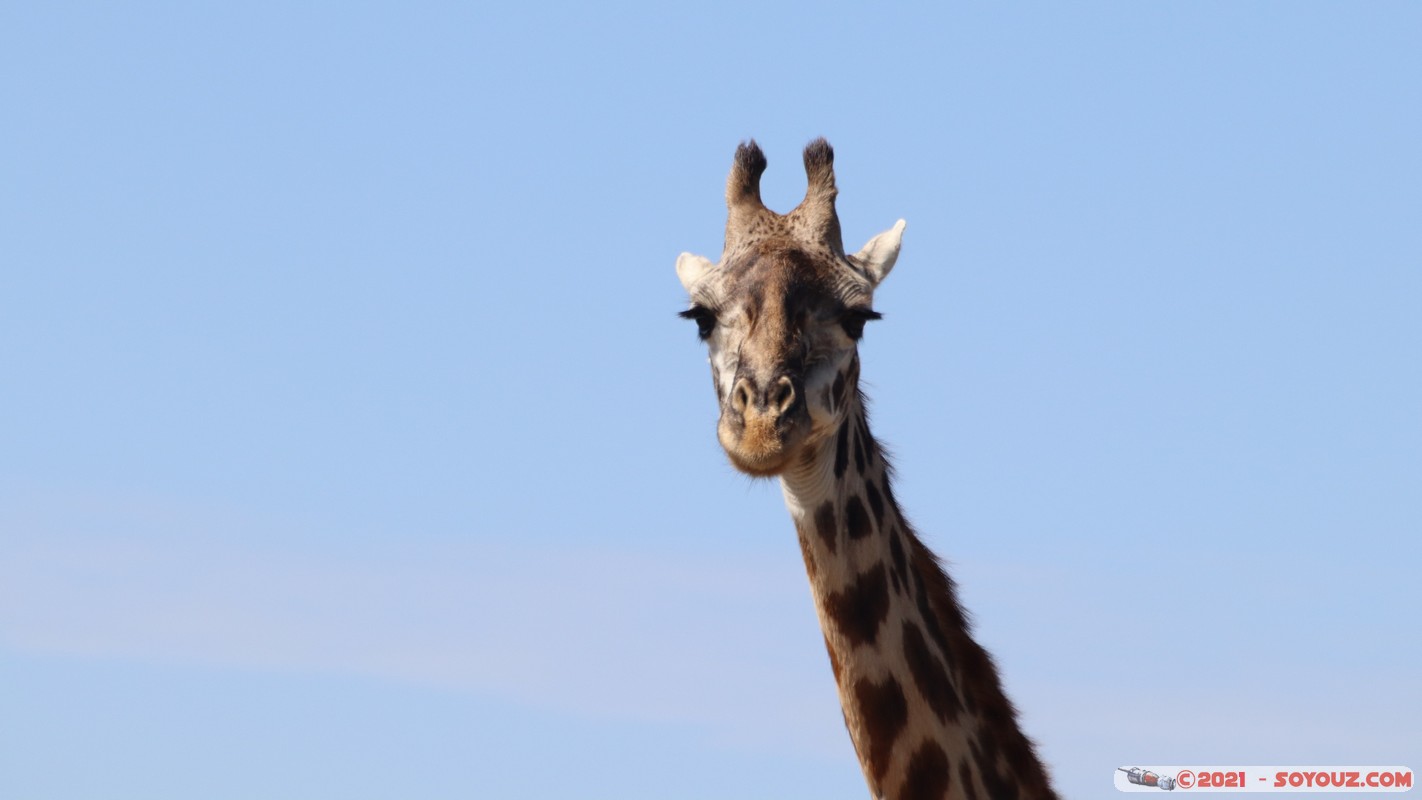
[884, 710]
[928, 773]
[930, 675]
[856, 519]
[861, 608]
[826, 525]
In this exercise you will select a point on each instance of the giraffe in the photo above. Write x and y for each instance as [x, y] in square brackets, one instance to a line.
[782, 313]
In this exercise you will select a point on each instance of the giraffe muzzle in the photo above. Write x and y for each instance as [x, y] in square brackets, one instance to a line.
[761, 424]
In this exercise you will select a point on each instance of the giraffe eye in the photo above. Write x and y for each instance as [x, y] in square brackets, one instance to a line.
[854, 319]
[705, 320]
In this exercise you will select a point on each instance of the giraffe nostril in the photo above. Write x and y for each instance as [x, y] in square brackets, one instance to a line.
[741, 396]
[783, 395]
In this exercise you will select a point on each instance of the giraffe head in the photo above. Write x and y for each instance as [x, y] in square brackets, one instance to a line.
[782, 313]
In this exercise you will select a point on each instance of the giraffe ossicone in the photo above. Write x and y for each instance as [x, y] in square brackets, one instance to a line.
[782, 313]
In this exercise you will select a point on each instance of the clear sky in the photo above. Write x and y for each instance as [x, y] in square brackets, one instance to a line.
[350, 446]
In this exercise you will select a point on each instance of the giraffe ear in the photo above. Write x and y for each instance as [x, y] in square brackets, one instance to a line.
[691, 269]
[879, 255]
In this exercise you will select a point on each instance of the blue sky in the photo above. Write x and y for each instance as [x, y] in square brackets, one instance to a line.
[351, 447]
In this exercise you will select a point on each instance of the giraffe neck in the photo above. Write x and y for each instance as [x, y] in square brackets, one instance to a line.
[921, 699]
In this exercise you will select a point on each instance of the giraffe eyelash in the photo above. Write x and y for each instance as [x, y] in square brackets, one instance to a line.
[853, 321]
[705, 320]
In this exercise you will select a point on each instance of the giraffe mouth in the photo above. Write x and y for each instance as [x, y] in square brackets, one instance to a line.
[759, 444]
